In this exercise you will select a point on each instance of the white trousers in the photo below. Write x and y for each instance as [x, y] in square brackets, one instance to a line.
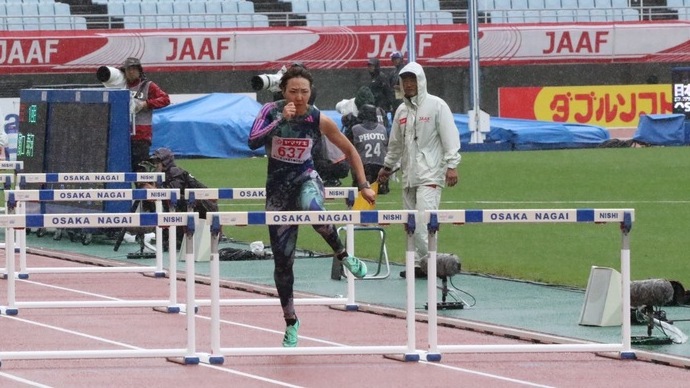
[422, 199]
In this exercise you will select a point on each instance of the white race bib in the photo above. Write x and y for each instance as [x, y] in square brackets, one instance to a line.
[291, 150]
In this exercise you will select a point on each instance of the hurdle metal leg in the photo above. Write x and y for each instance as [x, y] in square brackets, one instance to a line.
[407, 350]
[383, 251]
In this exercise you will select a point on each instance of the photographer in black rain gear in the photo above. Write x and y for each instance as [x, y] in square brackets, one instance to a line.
[370, 138]
[163, 160]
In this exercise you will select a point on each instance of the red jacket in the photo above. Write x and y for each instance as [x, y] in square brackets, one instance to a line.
[155, 98]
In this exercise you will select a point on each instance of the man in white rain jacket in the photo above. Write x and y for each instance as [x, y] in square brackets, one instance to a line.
[426, 143]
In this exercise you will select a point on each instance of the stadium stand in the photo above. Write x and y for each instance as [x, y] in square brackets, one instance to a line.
[682, 7]
[157, 14]
[368, 12]
[38, 15]
[183, 14]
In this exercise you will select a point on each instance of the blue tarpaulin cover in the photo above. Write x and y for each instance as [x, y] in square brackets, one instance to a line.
[668, 129]
[217, 125]
[531, 134]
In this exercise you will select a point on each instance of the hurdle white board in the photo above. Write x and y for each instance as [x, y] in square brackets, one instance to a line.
[624, 217]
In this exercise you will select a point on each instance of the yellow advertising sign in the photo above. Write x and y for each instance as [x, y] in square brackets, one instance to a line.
[613, 106]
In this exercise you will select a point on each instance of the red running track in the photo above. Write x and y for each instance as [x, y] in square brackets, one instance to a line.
[143, 328]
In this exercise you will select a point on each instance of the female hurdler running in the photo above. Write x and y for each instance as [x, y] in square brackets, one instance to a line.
[289, 129]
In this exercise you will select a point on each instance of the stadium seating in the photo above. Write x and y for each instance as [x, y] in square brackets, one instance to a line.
[502, 5]
[332, 6]
[365, 5]
[565, 15]
[519, 4]
[142, 14]
[186, 13]
[349, 6]
[569, 4]
[585, 4]
[529, 11]
[682, 7]
[431, 5]
[300, 6]
[535, 4]
[603, 4]
[382, 5]
[347, 19]
[548, 16]
[31, 15]
[368, 12]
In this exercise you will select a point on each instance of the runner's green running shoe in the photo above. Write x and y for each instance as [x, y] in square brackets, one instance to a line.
[290, 338]
[356, 266]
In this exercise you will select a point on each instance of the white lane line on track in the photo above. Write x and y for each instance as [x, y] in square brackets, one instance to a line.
[132, 347]
[23, 381]
[255, 377]
[72, 290]
[272, 331]
[435, 364]
[484, 374]
[231, 371]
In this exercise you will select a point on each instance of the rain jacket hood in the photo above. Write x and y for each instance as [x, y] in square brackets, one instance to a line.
[424, 140]
[166, 157]
[364, 96]
[377, 66]
[416, 69]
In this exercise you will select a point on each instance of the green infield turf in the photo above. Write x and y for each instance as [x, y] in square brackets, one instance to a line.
[653, 181]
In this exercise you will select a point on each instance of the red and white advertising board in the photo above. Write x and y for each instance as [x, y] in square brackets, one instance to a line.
[341, 47]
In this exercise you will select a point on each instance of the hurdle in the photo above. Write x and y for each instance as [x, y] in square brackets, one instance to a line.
[113, 220]
[24, 179]
[14, 197]
[101, 220]
[9, 179]
[193, 194]
[15, 165]
[218, 219]
[624, 217]
[7, 183]
[347, 193]
[331, 193]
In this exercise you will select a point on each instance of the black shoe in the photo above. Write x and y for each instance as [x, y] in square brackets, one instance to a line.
[418, 273]
[337, 271]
